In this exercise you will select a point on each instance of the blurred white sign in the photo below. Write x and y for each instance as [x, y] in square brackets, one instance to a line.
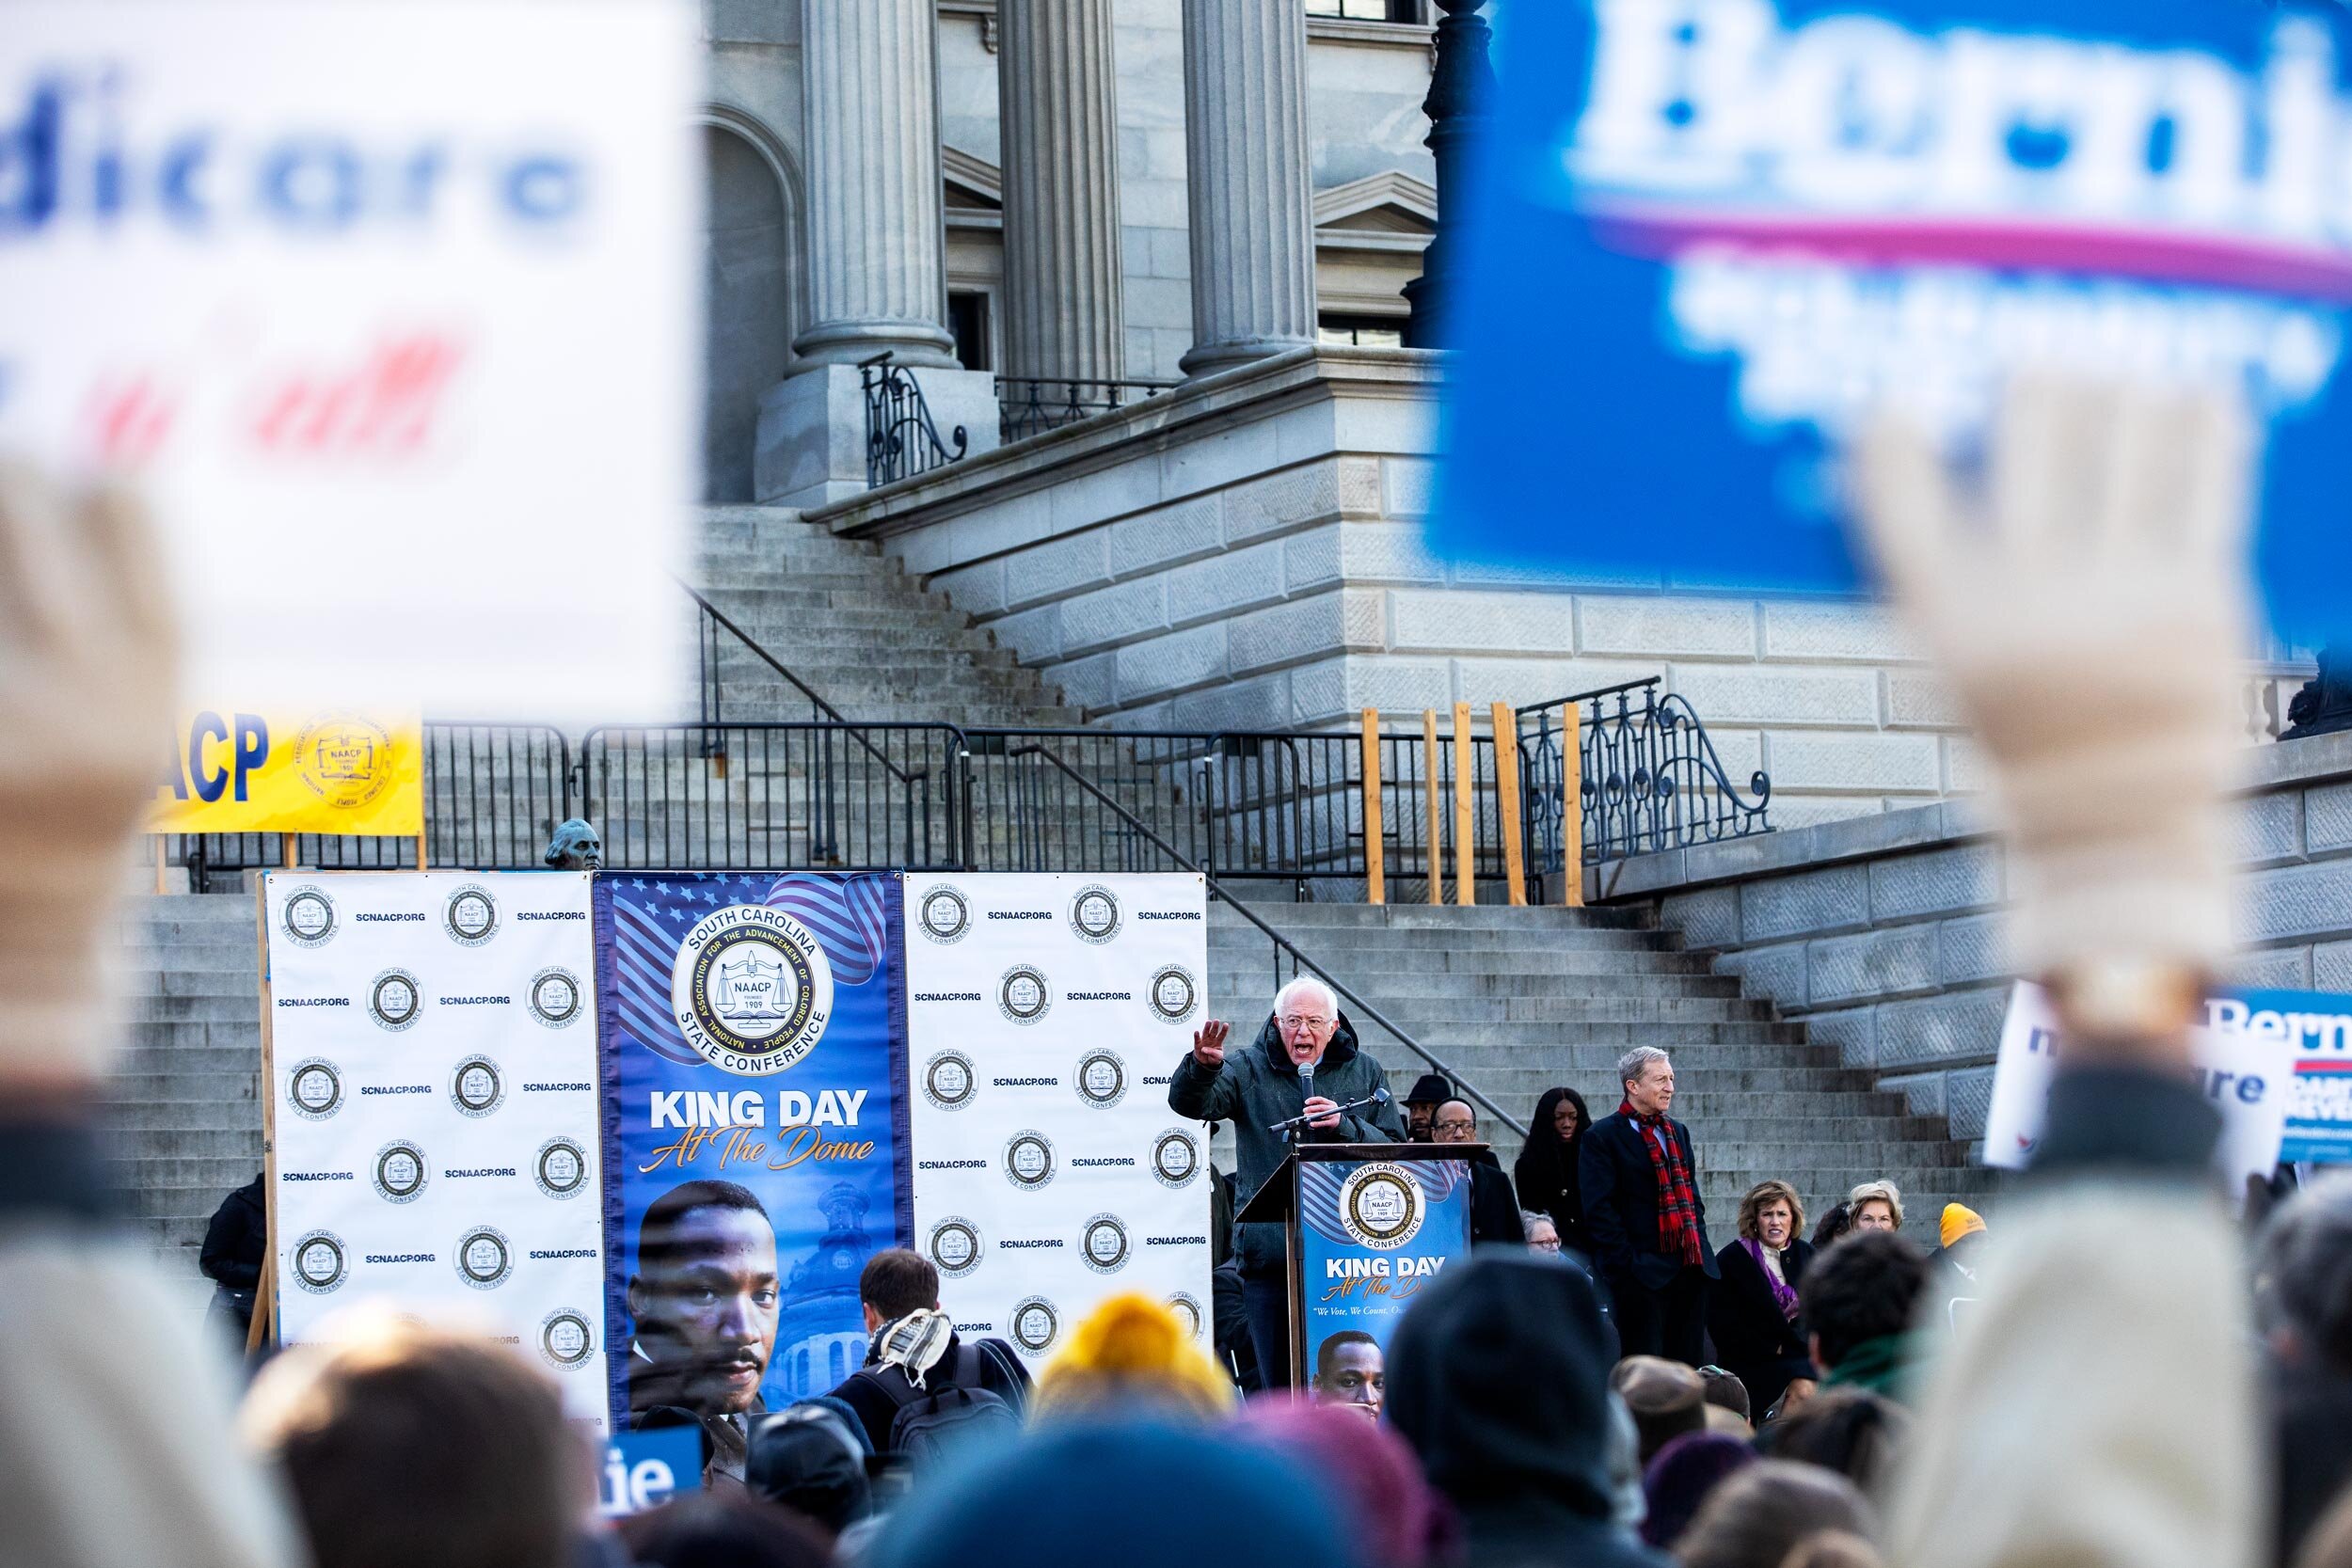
[388, 308]
[2249, 1078]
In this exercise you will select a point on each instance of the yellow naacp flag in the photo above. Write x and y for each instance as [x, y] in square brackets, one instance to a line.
[337, 771]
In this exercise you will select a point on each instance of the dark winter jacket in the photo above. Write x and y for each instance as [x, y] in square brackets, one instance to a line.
[1546, 1181]
[876, 1392]
[1753, 1341]
[1620, 1191]
[2310, 1422]
[1494, 1209]
[1499, 1377]
[237, 1241]
[1259, 1086]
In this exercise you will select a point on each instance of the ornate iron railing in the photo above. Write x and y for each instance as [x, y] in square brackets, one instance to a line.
[1649, 778]
[1032, 405]
[900, 439]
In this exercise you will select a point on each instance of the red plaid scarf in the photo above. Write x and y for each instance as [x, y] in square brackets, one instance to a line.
[1677, 1205]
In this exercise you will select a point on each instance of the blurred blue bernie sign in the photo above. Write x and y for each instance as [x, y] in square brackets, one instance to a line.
[1708, 237]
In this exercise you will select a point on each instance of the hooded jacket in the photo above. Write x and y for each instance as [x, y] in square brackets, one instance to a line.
[1499, 1377]
[1259, 1086]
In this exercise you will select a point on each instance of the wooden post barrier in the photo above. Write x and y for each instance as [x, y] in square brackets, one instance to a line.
[1375, 852]
[163, 861]
[286, 856]
[1465, 814]
[422, 864]
[1572, 807]
[1507, 802]
[1435, 843]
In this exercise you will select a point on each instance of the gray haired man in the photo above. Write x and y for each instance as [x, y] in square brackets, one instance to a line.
[1639, 1177]
[1304, 1061]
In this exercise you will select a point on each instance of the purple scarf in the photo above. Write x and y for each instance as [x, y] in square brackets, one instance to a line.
[1784, 1294]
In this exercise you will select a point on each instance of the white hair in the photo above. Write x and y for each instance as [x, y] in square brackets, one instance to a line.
[1636, 1062]
[1303, 984]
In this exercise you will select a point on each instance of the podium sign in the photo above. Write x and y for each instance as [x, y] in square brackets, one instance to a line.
[1367, 1228]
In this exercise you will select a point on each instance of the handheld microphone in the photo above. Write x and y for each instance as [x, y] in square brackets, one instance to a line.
[1306, 1080]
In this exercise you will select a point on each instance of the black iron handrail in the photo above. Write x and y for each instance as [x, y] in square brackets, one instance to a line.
[900, 439]
[1649, 778]
[1030, 405]
[713, 620]
[1298, 958]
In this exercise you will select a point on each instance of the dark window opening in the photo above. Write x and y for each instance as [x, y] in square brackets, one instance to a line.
[1368, 11]
[967, 320]
[1362, 331]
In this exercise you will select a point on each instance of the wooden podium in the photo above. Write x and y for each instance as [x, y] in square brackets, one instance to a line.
[1364, 1226]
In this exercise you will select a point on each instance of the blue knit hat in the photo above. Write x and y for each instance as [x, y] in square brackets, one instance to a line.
[1142, 1495]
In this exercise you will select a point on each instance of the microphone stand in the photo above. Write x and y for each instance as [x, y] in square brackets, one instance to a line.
[1290, 1129]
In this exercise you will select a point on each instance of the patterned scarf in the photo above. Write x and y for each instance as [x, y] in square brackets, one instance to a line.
[1784, 1294]
[1677, 1205]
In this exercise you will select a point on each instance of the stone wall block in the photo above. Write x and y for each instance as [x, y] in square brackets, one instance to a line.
[1035, 635]
[2269, 829]
[2327, 813]
[1943, 882]
[1504, 622]
[1708, 918]
[1057, 568]
[1113, 615]
[2270, 969]
[1164, 537]
[2331, 966]
[1281, 501]
[1834, 898]
[1968, 1100]
[1851, 763]
[1974, 948]
[1640, 625]
[2295, 901]
[1225, 584]
[1732, 693]
[1312, 559]
[1895, 962]
[1839, 629]
[1776, 974]
[1852, 1031]
[975, 590]
[1957, 1027]
[1172, 663]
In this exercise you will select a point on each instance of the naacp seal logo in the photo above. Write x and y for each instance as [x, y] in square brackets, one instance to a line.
[1187, 1309]
[1175, 1158]
[1035, 1324]
[399, 1172]
[1101, 1079]
[1173, 993]
[485, 1258]
[553, 998]
[314, 1088]
[954, 1246]
[308, 917]
[950, 1079]
[394, 999]
[1022, 995]
[1381, 1206]
[561, 1169]
[566, 1340]
[944, 915]
[470, 916]
[1103, 1244]
[752, 990]
[320, 1264]
[477, 1088]
[1028, 1160]
[1095, 913]
[346, 760]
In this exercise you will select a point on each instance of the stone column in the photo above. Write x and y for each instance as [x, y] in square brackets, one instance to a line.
[1253, 228]
[876, 267]
[876, 253]
[1064, 317]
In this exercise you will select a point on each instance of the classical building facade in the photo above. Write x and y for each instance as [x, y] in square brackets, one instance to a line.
[1203, 211]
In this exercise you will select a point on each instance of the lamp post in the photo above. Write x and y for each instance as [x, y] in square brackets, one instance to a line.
[1461, 84]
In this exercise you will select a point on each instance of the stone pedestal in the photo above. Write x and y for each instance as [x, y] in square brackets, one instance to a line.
[1253, 230]
[811, 447]
[1064, 318]
[875, 271]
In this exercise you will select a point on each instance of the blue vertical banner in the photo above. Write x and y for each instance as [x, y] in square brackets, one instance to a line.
[2316, 1026]
[1374, 1234]
[752, 1042]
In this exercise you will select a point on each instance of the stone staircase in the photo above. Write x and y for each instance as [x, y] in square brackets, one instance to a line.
[183, 1115]
[852, 624]
[1518, 1000]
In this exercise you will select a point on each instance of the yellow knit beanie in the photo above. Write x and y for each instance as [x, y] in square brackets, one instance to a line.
[1129, 1351]
[1959, 1220]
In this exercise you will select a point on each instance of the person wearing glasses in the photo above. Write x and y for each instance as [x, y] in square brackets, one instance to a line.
[1543, 1237]
[1494, 1211]
[1304, 1061]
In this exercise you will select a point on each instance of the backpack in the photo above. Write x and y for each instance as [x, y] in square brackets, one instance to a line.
[934, 1422]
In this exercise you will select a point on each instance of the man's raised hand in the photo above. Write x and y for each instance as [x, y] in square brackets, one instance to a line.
[1208, 1044]
[1321, 1112]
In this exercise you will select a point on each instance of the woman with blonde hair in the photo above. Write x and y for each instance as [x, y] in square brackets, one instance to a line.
[1876, 1206]
[1752, 1312]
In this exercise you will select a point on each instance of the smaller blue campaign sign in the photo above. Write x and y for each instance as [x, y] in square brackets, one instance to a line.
[2318, 1027]
[1373, 1235]
[1709, 239]
[644, 1470]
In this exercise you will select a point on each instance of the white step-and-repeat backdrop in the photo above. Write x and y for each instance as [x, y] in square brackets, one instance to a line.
[431, 1048]
[1044, 1014]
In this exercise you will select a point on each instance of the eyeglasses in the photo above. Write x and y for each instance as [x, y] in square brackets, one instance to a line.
[1552, 1245]
[1456, 1125]
[1304, 1021]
